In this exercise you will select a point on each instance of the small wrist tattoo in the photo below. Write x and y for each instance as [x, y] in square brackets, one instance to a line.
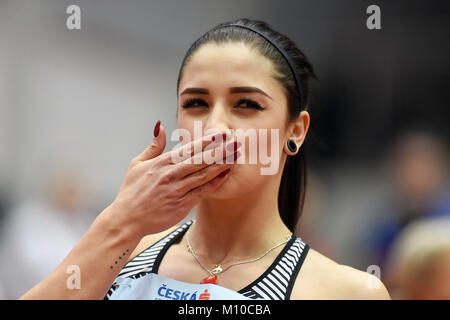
[120, 258]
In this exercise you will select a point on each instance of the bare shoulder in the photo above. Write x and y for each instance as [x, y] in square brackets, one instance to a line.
[149, 240]
[323, 278]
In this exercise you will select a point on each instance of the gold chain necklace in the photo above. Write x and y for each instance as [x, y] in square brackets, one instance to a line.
[212, 278]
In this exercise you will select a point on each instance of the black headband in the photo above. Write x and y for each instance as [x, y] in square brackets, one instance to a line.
[283, 53]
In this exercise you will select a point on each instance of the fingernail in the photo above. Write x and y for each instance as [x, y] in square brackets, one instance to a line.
[224, 173]
[156, 130]
[220, 135]
[217, 136]
[233, 146]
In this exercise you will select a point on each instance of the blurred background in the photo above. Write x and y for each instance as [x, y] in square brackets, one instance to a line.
[77, 105]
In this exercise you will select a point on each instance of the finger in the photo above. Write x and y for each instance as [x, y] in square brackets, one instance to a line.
[194, 196]
[201, 177]
[157, 145]
[191, 148]
[225, 153]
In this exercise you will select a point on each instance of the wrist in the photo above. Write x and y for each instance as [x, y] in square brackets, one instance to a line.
[116, 223]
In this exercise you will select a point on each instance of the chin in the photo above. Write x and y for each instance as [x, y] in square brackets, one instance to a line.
[229, 189]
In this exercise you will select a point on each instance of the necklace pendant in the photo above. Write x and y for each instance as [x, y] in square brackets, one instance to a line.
[209, 279]
[217, 269]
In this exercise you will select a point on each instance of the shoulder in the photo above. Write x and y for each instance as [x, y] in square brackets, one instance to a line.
[323, 278]
[150, 240]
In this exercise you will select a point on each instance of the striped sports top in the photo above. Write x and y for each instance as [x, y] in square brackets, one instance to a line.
[275, 283]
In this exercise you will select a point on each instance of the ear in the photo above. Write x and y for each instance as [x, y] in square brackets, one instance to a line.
[297, 131]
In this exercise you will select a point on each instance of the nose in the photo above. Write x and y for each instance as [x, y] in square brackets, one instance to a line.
[218, 119]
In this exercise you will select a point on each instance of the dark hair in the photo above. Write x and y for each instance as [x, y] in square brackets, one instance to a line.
[291, 194]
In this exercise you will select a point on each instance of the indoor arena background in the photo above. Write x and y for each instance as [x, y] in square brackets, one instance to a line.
[77, 105]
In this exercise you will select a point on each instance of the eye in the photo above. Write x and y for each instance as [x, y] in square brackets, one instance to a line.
[249, 104]
[194, 102]
[241, 104]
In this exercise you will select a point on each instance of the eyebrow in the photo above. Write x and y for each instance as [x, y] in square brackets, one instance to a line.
[232, 90]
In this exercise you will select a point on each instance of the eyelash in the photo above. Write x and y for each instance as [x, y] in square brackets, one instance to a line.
[251, 104]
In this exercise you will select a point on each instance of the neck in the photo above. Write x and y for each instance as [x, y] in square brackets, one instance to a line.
[239, 228]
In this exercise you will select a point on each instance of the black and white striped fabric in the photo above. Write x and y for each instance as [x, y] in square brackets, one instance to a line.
[275, 283]
[278, 280]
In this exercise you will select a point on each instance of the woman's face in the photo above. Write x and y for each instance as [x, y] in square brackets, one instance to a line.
[229, 87]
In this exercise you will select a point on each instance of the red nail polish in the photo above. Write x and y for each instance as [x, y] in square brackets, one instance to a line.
[217, 136]
[224, 173]
[156, 130]
[236, 146]
[237, 155]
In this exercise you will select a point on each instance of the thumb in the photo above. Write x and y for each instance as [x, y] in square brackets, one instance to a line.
[157, 146]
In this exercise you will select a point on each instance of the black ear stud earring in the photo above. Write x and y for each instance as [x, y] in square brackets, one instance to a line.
[292, 146]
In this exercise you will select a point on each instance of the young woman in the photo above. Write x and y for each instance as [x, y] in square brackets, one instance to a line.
[239, 75]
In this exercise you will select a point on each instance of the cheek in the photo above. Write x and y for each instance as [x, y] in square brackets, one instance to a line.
[261, 157]
[185, 128]
[183, 121]
[263, 147]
